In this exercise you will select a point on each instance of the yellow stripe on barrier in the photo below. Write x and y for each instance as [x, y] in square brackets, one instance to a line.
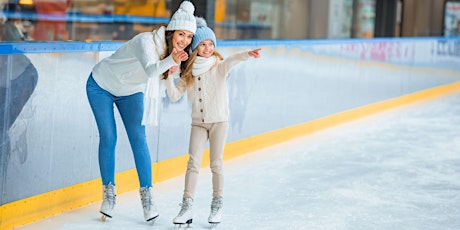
[251, 144]
[51, 203]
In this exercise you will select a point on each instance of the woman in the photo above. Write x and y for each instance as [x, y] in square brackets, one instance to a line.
[129, 78]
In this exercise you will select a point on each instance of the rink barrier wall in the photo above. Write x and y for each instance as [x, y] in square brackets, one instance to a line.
[55, 201]
[38, 207]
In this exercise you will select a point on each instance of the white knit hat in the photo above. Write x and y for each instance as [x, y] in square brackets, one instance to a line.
[183, 18]
[203, 32]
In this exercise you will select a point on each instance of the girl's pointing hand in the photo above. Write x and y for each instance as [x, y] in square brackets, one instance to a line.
[255, 53]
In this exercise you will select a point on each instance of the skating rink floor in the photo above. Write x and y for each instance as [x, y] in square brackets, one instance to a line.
[399, 169]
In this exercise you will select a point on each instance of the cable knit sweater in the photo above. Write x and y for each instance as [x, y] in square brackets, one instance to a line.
[136, 67]
[208, 94]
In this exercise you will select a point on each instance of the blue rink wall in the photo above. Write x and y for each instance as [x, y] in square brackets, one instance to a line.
[49, 139]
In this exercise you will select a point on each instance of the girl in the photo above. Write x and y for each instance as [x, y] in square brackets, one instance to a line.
[122, 79]
[205, 80]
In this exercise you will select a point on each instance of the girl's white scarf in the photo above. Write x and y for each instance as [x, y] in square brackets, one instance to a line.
[203, 65]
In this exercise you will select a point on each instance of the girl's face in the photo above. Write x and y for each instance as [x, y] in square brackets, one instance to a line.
[206, 48]
[181, 39]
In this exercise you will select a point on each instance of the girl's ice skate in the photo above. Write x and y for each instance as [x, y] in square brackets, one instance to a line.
[148, 204]
[185, 215]
[108, 201]
[216, 211]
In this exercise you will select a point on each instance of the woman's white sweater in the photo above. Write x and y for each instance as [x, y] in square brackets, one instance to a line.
[208, 94]
[136, 67]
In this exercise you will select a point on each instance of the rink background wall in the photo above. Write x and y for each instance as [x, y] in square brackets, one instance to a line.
[49, 158]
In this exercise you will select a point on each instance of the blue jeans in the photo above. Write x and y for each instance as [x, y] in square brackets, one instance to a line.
[131, 109]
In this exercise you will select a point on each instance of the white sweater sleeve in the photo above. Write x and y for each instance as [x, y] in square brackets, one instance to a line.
[175, 92]
[144, 50]
[228, 63]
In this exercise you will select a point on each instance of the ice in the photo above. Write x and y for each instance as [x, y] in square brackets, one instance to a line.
[399, 169]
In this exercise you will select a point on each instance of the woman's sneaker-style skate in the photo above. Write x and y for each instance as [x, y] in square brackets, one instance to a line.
[150, 210]
[185, 215]
[108, 201]
[215, 217]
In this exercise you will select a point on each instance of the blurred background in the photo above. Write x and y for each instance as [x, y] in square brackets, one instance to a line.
[112, 20]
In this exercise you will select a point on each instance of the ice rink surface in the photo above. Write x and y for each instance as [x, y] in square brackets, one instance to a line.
[399, 169]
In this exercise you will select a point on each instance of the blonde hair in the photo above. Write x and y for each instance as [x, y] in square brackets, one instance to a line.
[186, 74]
[169, 47]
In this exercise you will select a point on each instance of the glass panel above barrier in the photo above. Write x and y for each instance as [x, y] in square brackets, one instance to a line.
[120, 20]
[78, 20]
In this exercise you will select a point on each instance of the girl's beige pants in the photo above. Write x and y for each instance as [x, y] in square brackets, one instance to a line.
[216, 133]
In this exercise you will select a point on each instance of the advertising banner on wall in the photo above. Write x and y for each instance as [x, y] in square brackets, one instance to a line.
[364, 19]
[340, 18]
[260, 13]
[452, 19]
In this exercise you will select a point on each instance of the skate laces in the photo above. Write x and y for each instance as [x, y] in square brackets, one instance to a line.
[216, 205]
[109, 194]
[146, 198]
[185, 206]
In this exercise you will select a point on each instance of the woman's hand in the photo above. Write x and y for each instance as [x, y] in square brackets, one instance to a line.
[179, 56]
[255, 53]
[172, 70]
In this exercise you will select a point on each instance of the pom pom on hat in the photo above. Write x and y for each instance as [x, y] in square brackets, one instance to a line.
[187, 7]
[200, 22]
[203, 32]
[183, 18]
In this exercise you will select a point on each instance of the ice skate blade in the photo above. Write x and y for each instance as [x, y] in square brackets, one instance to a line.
[187, 223]
[104, 216]
[213, 224]
[153, 218]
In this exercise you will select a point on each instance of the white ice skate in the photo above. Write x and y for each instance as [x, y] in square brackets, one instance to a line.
[185, 215]
[108, 201]
[148, 204]
[215, 217]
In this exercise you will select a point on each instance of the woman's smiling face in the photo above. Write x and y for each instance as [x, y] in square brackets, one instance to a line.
[181, 39]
